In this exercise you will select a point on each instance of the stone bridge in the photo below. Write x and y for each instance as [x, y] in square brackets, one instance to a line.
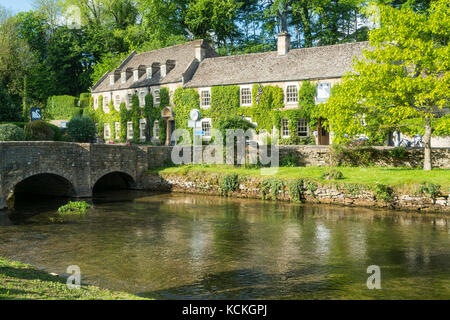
[73, 169]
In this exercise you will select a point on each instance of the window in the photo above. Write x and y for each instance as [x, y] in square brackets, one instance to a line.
[117, 103]
[95, 103]
[129, 99]
[156, 129]
[123, 77]
[302, 128]
[291, 94]
[285, 128]
[206, 127]
[105, 101]
[156, 97]
[136, 75]
[107, 131]
[323, 92]
[142, 127]
[142, 98]
[149, 73]
[206, 98]
[117, 130]
[111, 79]
[129, 130]
[246, 96]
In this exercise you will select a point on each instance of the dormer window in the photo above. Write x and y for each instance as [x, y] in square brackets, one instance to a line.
[163, 70]
[111, 79]
[123, 77]
[136, 75]
[149, 73]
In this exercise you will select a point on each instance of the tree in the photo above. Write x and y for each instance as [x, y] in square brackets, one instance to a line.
[401, 82]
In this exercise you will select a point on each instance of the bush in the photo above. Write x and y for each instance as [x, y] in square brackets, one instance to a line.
[290, 160]
[62, 107]
[11, 132]
[430, 189]
[233, 122]
[40, 130]
[229, 183]
[82, 129]
[332, 174]
[274, 186]
[72, 210]
[296, 141]
[353, 156]
[384, 192]
[398, 153]
[295, 189]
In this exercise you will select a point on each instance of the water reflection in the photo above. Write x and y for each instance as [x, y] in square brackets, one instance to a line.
[183, 246]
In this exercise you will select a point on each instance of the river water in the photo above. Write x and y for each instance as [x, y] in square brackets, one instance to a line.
[176, 246]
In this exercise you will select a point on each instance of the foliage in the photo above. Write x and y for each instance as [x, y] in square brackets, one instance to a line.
[295, 140]
[62, 108]
[272, 186]
[11, 132]
[224, 100]
[81, 129]
[229, 183]
[353, 156]
[332, 174]
[289, 160]
[184, 101]
[383, 192]
[232, 123]
[430, 189]
[310, 186]
[40, 130]
[9, 110]
[403, 78]
[398, 153]
[295, 188]
[70, 211]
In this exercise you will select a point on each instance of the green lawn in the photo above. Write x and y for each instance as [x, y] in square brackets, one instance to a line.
[405, 179]
[21, 281]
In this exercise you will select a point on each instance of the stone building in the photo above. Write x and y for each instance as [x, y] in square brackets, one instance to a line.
[196, 65]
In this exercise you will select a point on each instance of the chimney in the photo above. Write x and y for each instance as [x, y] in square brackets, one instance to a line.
[199, 52]
[284, 43]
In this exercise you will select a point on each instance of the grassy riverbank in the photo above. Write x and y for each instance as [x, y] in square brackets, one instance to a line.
[22, 281]
[401, 179]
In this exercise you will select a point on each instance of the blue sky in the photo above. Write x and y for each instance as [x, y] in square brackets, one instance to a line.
[17, 5]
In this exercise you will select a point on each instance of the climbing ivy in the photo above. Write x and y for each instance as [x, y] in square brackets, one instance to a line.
[225, 101]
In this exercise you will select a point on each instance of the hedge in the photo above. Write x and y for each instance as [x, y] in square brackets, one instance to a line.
[11, 132]
[62, 108]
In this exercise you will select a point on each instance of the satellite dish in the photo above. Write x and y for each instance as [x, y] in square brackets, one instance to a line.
[194, 114]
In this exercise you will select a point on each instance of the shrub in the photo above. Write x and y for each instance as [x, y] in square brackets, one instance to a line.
[295, 188]
[229, 183]
[383, 192]
[72, 210]
[232, 122]
[332, 174]
[11, 132]
[290, 160]
[39, 130]
[62, 107]
[430, 189]
[274, 186]
[297, 141]
[57, 134]
[353, 156]
[398, 153]
[311, 187]
[81, 129]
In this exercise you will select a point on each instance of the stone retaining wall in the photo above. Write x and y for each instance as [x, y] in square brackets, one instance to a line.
[251, 188]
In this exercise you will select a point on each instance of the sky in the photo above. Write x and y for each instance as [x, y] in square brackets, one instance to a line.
[17, 5]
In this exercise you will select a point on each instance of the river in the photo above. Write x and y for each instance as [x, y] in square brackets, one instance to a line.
[177, 246]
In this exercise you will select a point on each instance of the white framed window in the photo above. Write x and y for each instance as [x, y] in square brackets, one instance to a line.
[117, 101]
[323, 92]
[105, 101]
[123, 77]
[205, 96]
[129, 99]
[206, 127]
[95, 103]
[142, 98]
[129, 130]
[135, 75]
[111, 79]
[142, 128]
[117, 130]
[149, 73]
[156, 98]
[107, 131]
[302, 128]
[246, 96]
[291, 94]
[156, 129]
[285, 128]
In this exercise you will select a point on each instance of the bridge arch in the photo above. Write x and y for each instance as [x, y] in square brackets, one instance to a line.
[40, 184]
[114, 180]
